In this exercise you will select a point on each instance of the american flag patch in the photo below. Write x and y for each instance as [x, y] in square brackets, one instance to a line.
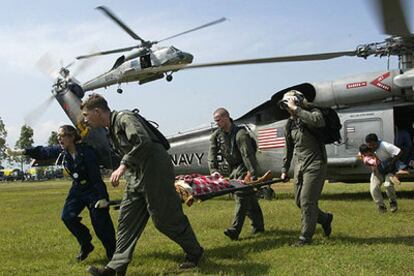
[271, 138]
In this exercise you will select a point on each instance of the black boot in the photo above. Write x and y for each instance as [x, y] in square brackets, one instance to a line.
[191, 261]
[327, 227]
[104, 271]
[232, 234]
[393, 206]
[84, 252]
[301, 243]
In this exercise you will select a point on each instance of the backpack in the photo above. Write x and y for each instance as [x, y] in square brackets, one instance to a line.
[234, 143]
[248, 130]
[330, 133]
[160, 137]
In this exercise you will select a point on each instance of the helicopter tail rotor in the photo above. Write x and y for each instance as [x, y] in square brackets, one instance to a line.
[63, 79]
[33, 116]
[46, 65]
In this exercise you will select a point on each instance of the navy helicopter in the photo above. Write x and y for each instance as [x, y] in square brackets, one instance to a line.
[373, 102]
[134, 65]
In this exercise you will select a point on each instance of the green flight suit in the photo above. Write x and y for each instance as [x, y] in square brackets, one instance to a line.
[310, 166]
[237, 149]
[149, 190]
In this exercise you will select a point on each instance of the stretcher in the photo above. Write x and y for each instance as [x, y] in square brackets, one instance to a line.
[197, 188]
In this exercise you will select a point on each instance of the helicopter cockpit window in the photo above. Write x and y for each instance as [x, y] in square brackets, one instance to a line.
[145, 61]
[172, 50]
[134, 63]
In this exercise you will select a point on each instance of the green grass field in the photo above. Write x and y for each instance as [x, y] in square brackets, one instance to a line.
[34, 241]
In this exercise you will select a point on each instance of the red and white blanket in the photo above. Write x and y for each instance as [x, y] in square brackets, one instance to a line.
[199, 184]
[189, 186]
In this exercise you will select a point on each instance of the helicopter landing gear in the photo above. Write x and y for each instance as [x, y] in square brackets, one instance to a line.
[119, 90]
[169, 77]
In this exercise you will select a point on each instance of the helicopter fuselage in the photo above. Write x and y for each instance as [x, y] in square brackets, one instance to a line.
[135, 68]
[189, 150]
[369, 103]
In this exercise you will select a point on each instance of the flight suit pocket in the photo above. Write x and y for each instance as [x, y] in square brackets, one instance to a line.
[133, 181]
[316, 166]
[123, 143]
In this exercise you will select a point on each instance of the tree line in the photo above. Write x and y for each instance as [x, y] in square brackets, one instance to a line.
[25, 141]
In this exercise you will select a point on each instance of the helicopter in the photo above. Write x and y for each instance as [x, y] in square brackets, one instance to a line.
[378, 102]
[134, 66]
[375, 102]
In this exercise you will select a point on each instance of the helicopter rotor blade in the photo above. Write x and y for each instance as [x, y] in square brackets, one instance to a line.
[392, 17]
[82, 67]
[194, 29]
[310, 57]
[70, 64]
[118, 21]
[33, 116]
[83, 64]
[47, 65]
[120, 50]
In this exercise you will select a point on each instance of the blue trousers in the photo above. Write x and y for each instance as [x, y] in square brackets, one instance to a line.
[101, 220]
[385, 168]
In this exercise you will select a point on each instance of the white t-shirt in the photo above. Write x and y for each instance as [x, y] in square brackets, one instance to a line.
[386, 150]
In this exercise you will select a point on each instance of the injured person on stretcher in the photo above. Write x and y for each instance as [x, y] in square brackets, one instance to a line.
[196, 187]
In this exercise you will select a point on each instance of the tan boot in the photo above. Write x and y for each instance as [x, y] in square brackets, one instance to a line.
[395, 180]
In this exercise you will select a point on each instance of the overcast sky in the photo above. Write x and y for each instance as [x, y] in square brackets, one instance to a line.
[29, 29]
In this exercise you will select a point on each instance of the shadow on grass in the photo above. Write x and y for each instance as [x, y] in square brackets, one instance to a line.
[96, 262]
[402, 240]
[232, 256]
[246, 268]
[339, 196]
[363, 195]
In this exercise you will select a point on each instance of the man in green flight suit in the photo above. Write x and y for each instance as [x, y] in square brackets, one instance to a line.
[149, 188]
[235, 146]
[310, 160]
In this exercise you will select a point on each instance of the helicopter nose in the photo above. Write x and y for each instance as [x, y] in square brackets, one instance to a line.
[186, 57]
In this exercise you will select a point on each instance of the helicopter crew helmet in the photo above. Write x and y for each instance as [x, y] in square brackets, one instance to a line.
[297, 97]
